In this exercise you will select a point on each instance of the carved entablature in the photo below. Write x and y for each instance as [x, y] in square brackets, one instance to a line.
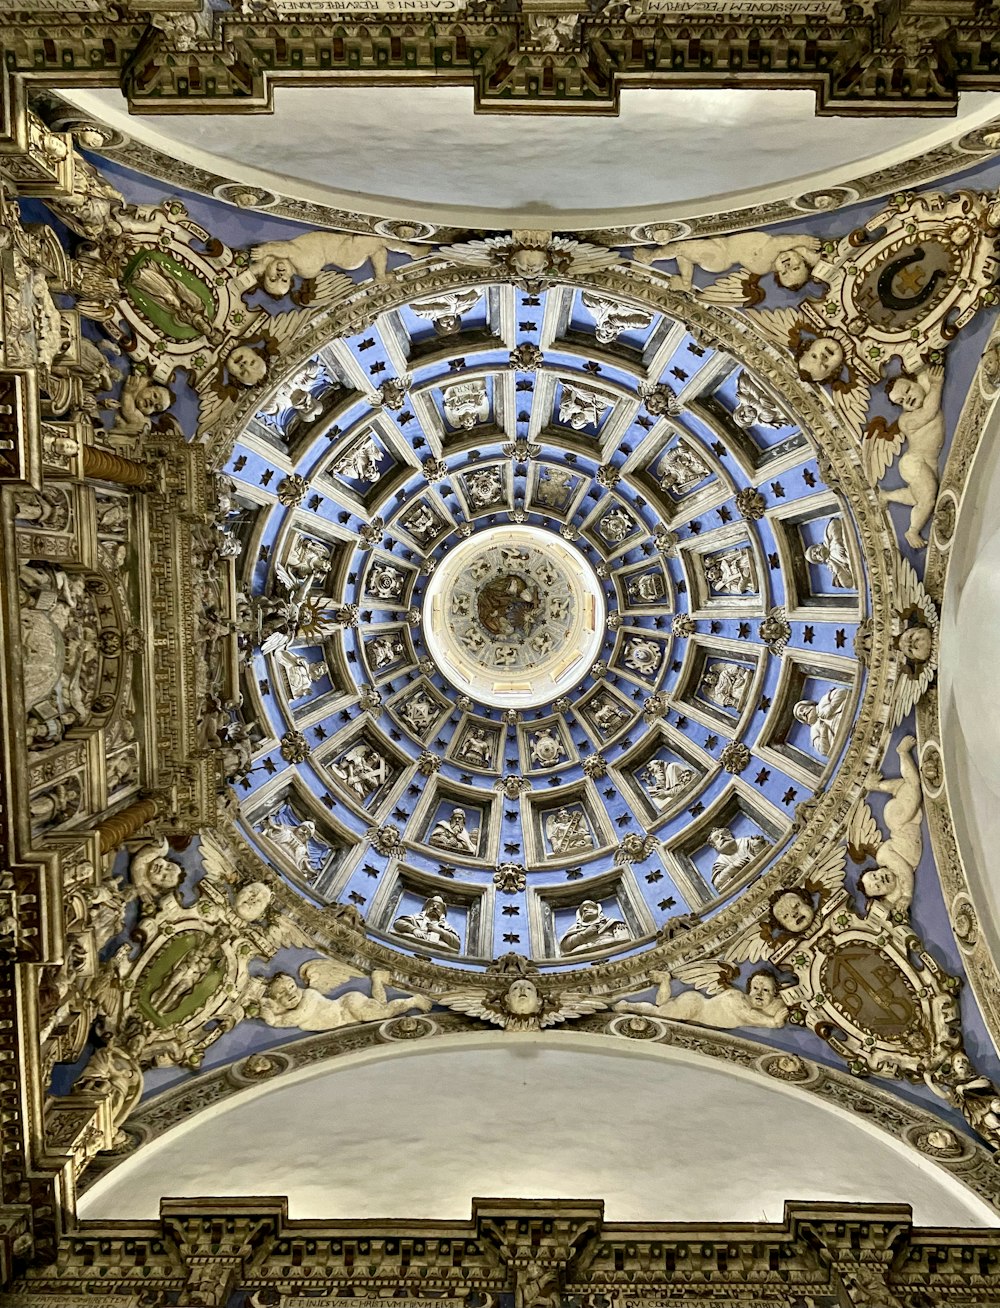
[904, 59]
[540, 1252]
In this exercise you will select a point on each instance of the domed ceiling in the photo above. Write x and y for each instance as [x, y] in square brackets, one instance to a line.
[563, 632]
[555, 615]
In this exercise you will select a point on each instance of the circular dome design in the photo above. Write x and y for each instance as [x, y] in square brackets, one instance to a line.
[514, 616]
[637, 525]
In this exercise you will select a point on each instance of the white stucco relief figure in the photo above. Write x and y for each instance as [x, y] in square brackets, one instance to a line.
[545, 748]
[734, 854]
[567, 830]
[680, 468]
[429, 926]
[300, 674]
[581, 407]
[466, 404]
[292, 839]
[754, 407]
[593, 929]
[920, 428]
[823, 717]
[615, 526]
[477, 748]
[608, 716]
[307, 564]
[898, 856]
[383, 650]
[154, 875]
[295, 394]
[725, 1005]
[645, 589]
[453, 834]
[530, 257]
[514, 996]
[140, 400]
[726, 684]
[732, 573]
[446, 309]
[916, 630]
[666, 781]
[276, 264]
[285, 1004]
[832, 553]
[59, 647]
[361, 461]
[554, 487]
[422, 522]
[362, 769]
[612, 317]
[790, 257]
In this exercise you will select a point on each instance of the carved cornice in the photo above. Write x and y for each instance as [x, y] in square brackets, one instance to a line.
[539, 1249]
[903, 57]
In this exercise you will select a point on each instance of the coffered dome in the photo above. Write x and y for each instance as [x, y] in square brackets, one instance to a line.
[556, 623]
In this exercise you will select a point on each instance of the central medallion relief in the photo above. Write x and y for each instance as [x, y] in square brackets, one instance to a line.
[509, 605]
[514, 616]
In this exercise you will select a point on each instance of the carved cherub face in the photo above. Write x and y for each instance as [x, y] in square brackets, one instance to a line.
[877, 881]
[522, 998]
[915, 643]
[822, 359]
[164, 875]
[276, 277]
[153, 399]
[283, 992]
[530, 264]
[246, 366]
[793, 910]
[762, 990]
[791, 270]
[251, 902]
[905, 392]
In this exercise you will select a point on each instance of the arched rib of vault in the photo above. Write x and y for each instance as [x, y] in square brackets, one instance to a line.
[957, 721]
[734, 1079]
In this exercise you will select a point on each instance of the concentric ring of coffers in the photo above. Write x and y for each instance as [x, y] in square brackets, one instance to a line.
[718, 694]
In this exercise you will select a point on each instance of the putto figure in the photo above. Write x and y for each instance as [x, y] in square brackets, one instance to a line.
[725, 1006]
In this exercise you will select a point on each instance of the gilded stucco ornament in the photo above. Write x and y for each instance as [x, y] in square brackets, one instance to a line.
[802, 923]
